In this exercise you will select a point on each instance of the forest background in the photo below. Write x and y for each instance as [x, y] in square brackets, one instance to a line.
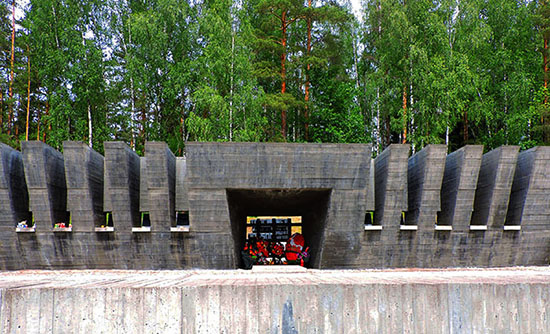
[416, 71]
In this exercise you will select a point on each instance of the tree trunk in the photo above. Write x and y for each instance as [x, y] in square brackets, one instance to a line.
[231, 84]
[1, 109]
[405, 114]
[28, 93]
[283, 70]
[143, 120]
[90, 125]
[49, 125]
[465, 126]
[545, 60]
[308, 67]
[10, 114]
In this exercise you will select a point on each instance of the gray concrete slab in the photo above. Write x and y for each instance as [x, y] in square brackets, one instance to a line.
[328, 301]
[45, 177]
[391, 197]
[161, 185]
[459, 187]
[530, 196]
[424, 178]
[494, 185]
[14, 198]
[122, 183]
[84, 175]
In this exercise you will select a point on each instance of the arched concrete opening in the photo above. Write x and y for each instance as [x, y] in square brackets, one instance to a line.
[311, 204]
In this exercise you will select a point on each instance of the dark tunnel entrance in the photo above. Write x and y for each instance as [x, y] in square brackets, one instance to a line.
[310, 204]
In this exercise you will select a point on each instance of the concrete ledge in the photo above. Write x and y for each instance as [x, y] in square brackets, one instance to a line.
[478, 227]
[373, 227]
[25, 229]
[62, 229]
[179, 229]
[512, 227]
[408, 227]
[105, 229]
[279, 269]
[443, 228]
[141, 229]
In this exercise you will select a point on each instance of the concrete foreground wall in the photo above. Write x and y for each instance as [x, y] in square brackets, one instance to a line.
[325, 302]
[432, 209]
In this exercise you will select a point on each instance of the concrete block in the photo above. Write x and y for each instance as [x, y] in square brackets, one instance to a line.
[391, 186]
[161, 185]
[459, 186]
[14, 198]
[494, 185]
[143, 186]
[122, 184]
[182, 202]
[371, 188]
[424, 178]
[530, 196]
[84, 175]
[45, 177]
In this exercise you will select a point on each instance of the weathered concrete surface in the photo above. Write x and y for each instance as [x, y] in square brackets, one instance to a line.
[182, 200]
[450, 301]
[14, 203]
[13, 189]
[161, 185]
[45, 177]
[371, 190]
[84, 175]
[121, 188]
[530, 197]
[459, 187]
[391, 185]
[494, 185]
[143, 188]
[328, 185]
[214, 168]
[424, 177]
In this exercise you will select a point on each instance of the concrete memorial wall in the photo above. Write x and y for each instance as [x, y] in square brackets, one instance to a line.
[431, 209]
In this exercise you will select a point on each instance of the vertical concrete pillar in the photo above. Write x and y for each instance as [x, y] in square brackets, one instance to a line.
[84, 175]
[459, 187]
[161, 181]
[494, 184]
[371, 187]
[182, 200]
[530, 197]
[425, 174]
[121, 188]
[14, 199]
[45, 176]
[391, 185]
[143, 186]
[530, 208]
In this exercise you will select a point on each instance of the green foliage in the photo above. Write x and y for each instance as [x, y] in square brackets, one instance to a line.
[444, 71]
